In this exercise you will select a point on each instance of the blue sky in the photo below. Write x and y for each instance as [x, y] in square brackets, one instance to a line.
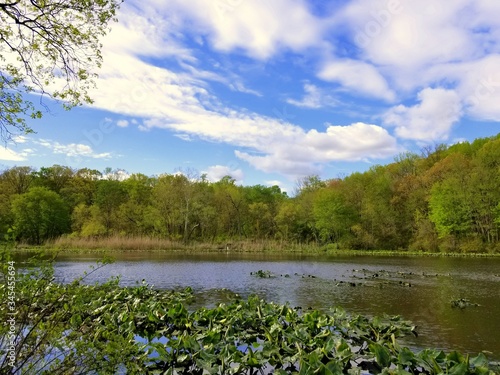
[272, 91]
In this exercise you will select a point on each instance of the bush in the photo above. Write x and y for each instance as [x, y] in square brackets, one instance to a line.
[473, 244]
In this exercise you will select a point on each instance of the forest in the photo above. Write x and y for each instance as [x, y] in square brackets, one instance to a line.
[445, 199]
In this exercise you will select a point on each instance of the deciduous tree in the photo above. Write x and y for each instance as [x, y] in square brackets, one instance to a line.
[51, 48]
[39, 215]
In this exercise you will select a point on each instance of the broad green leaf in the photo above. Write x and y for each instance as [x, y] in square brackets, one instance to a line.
[382, 354]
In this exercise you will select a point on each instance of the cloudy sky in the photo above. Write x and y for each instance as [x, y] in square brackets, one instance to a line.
[272, 91]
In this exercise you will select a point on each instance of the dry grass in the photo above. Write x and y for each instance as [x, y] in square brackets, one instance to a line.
[124, 243]
[113, 243]
[158, 244]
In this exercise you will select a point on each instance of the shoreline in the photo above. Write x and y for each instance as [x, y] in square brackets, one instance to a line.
[238, 247]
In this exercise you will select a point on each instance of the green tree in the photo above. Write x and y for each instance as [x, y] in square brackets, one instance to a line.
[485, 195]
[39, 215]
[17, 180]
[54, 178]
[263, 205]
[230, 206]
[295, 218]
[81, 187]
[172, 210]
[5, 213]
[109, 196]
[87, 221]
[333, 217]
[49, 47]
[308, 184]
[185, 184]
[450, 209]
[133, 220]
[455, 200]
[165, 213]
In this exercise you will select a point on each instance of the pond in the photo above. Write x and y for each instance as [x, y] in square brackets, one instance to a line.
[420, 289]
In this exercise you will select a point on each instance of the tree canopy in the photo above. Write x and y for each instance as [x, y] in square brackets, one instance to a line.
[39, 215]
[444, 200]
[51, 48]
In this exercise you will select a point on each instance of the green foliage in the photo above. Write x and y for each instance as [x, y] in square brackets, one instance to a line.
[334, 218]
[51, 47]
[17, 180]
[39, 215]
[104, 328]
[446, 199]
[450, 210]
[109, 196]
[54, 178]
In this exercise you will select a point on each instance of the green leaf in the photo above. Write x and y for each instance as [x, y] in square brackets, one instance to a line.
[334, 368]
[459, 369]
[479, 361]
[406, 357]
[455, 357]
[382, 354]
[76, 320]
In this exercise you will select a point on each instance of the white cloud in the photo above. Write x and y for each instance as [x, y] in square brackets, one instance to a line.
[184, 104]
[285, 148]
[430, 120]
[72, 150]
[273, 183]
[217, 172]
[404, 53]
[224, 76]
[476, 82]
[240, 87]
[10, 155]
[298, 156]
[129, 86]
[409, 33]
[20, 139]
[479, 87]
[116, 175]
[258, 27]
[405, 38]
[283, 187]
[314, 98]
[274, 162]
[358, 77]
[145, 31]
[122, 123]
[184, 137]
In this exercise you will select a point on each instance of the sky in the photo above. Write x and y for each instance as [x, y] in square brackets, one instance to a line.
[269, 92]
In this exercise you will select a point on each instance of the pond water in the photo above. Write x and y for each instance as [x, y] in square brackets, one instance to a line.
[420, 289]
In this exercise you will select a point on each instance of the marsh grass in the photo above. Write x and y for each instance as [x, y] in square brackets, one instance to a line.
[157, 244]
[235, 246]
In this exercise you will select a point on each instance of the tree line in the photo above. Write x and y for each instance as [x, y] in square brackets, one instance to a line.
[444, 199]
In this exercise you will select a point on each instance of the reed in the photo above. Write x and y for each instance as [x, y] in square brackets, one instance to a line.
[160, 244]
[256, 246]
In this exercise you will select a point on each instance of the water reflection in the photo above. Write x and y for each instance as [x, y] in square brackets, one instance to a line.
[418, 289]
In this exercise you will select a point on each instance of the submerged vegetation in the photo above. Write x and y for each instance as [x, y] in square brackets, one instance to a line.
[107, 329]
[462, 303]
[445, 200]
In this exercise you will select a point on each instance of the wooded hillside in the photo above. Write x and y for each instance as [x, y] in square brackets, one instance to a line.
[446, 199]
